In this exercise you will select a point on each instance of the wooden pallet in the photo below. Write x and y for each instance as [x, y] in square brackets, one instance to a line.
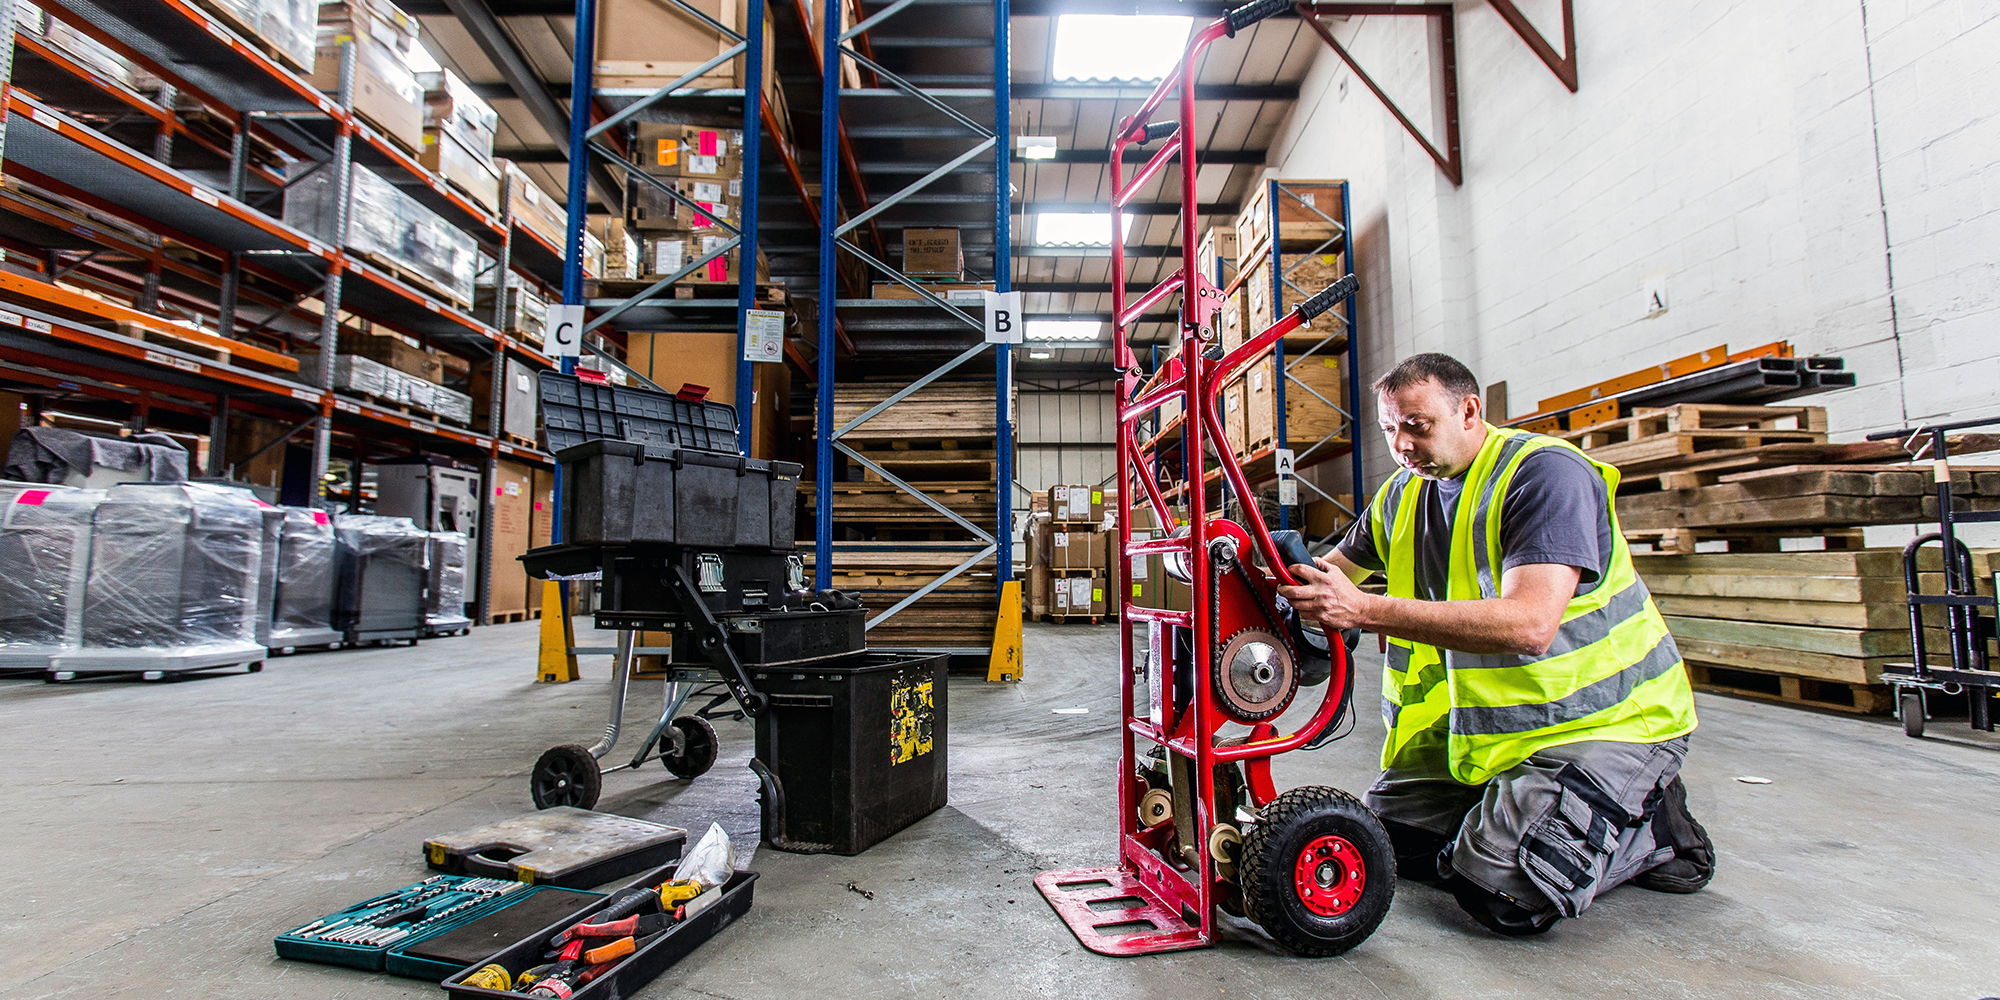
[768, 295]
[1805, 692]
[885, 504]
[942, 410]
[510, 617]
[1056, 619]
[1662, 437]
[518, 441]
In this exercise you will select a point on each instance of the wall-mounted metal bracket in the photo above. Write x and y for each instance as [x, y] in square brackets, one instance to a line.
[1451, 159]
[1564, 66]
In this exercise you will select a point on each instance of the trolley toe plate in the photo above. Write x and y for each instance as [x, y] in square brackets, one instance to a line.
[1113, 913]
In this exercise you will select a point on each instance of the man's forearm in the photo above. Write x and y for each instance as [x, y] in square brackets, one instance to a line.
[1488, 626]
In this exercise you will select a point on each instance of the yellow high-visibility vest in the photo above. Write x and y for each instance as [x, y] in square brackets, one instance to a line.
[1612, 673]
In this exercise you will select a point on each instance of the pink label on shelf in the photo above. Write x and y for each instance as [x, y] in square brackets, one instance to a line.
[708, 143]
[319, 517]
[258, 502]
[718, 270]
[32, 498]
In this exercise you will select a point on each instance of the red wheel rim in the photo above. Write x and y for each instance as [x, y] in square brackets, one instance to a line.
[1330, 876]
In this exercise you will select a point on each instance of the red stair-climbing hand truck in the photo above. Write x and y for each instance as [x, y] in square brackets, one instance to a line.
[1202, 827]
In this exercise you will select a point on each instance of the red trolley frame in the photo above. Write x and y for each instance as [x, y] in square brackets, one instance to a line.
[1180, 902]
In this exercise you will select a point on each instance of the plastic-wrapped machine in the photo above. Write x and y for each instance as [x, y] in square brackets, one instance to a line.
[387, 224]
[92, 461]
[446, 613]
[302, 612]
[267, 568]
[45, 546]
[384, 575]
[173, 581]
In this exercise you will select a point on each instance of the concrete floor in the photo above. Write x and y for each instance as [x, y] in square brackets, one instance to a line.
[163, 833]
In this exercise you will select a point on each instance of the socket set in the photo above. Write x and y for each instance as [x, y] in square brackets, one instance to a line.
[363, 935]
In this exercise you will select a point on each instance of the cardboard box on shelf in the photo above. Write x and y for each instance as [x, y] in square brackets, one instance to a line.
[386, 92]
[699, 152]
[451, 106]
[666, 254]
[933, 253]
[671, 360]
[653, 209]
[950, 291]
[519, 400]
[526, 311]
[622, 248]
[535, 210]
[1218, 245]
[473, 175]
[647, 44]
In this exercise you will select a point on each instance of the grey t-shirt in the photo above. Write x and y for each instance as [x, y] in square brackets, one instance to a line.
[1555, 511]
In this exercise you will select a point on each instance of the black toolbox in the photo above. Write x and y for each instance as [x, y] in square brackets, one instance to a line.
[653, 957]
[851, 751]
[633, 589]
[624, 492]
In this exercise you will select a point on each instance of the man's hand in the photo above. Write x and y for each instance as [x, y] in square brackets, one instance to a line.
[1325, 593]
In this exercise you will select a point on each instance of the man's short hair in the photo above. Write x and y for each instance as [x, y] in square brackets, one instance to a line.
[1416, 369]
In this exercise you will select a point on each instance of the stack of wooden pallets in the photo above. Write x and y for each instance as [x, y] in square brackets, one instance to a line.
[889, 544]
[1811, 628]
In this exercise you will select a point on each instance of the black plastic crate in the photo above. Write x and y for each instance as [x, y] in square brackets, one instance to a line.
[625, 492]
[655, 956]
[575, 411]
[633, 587]
[851, 751]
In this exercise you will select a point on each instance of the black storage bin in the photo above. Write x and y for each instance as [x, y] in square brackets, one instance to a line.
[851, 751]
[633, 591]
[622, 492]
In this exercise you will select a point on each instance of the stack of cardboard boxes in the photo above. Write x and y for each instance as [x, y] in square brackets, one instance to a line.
[458, 137]
[387, 94]
[390, 369]
[1069, 578]
[704, 165]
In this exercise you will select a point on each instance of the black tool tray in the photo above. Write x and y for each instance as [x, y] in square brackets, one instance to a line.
[654, 956]
[453, 901]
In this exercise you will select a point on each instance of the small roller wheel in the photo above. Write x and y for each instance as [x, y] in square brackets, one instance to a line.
[1317, 871]
[566, 776]
[699, 745]
[1912, 702]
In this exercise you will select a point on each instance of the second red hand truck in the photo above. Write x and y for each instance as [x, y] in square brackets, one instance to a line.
[1203, 830]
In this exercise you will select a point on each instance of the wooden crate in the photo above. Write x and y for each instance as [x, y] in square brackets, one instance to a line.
[1234, 414]
[1218, 245]
[1305, 276]
[1303, 211]
[1805, 692]
[1308, 418]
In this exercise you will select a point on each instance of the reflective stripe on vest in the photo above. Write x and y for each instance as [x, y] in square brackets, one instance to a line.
[1610, 673]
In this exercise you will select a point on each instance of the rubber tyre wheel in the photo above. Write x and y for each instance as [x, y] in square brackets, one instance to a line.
[699, 747]
[1294, 820]
[1913, 715]
[566, 776]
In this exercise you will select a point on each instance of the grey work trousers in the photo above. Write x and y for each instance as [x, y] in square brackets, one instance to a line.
[1551, 833]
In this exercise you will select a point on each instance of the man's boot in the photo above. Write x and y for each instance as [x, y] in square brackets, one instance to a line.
[1693, 863]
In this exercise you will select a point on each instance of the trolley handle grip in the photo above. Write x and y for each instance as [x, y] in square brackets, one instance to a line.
[1157, 130]
[1327, 297]
[1257, 10]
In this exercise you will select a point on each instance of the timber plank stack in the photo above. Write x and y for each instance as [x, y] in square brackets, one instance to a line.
[1811, 628]
[890, 544]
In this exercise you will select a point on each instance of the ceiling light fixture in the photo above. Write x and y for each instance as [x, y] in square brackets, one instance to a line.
[1077, 229]
[1064, 329]
[1118, 47]
[1036, 147]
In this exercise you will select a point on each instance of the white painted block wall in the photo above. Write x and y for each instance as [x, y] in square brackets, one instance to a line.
[1821, 171]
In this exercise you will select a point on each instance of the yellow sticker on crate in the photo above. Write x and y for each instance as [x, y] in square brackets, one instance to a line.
[912, 716]
[435, 852]
[1096, 595]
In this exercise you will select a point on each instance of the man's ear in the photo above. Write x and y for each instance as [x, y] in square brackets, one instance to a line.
[1470, 408]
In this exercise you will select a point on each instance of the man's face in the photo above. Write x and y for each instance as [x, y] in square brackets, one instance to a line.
[1430, 432]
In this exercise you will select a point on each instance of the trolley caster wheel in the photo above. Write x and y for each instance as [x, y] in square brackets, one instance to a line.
[255, 668]
[699, 745]
[566, 776]
[1912, 704]
[1317, 871]
[333, 646]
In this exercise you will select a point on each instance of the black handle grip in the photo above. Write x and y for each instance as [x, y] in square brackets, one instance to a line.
[1292, 548]
[1312, 307]
[1257, 10]
[1158, 130]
